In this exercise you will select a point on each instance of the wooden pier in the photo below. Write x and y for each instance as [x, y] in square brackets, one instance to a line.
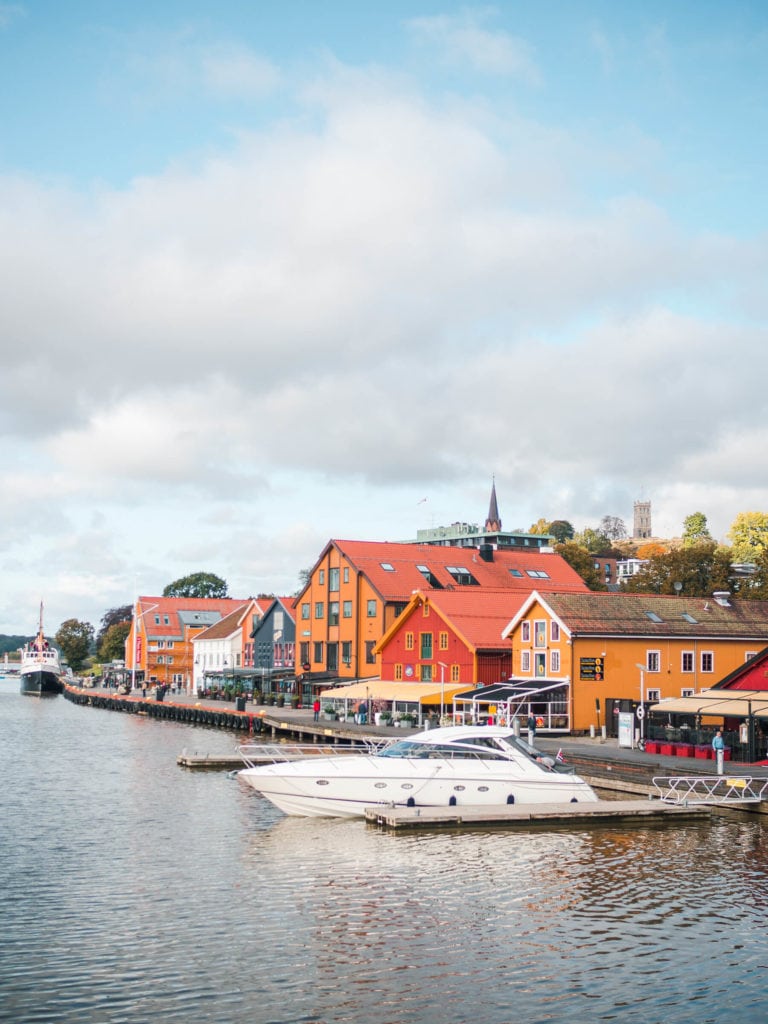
[532, 815]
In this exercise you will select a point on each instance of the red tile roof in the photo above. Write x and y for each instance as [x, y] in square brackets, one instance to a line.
[516, 570]
[173, 607]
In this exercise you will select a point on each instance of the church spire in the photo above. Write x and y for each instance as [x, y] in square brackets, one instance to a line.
[493, 522]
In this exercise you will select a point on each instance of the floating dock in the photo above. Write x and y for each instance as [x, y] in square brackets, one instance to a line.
[532, 815]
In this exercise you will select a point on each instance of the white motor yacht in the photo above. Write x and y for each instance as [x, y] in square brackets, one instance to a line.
[458, 765]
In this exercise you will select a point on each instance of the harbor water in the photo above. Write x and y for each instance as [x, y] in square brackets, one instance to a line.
[132, 891]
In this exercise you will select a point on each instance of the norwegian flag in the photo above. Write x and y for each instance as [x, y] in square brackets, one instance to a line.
[559, 755]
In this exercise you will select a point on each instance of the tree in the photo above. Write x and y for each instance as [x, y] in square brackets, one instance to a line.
[112, 646]
[113, 617]
[749, 535]
[583, 562]
[596, 543]
[74, 639]
[650, 550]
[613, 528]
[700, 570]
[541, 527]
[695, 529]
[561, 530]
[198, 584]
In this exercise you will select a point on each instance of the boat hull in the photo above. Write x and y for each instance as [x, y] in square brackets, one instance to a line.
[344, 788]
[40, 683]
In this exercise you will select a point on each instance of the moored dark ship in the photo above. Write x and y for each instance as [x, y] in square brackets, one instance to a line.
[40, 670]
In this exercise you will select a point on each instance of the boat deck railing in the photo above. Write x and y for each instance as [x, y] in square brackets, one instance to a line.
[710, 789]
[275, 753]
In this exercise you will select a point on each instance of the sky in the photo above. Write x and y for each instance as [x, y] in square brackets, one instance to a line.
[276, 273]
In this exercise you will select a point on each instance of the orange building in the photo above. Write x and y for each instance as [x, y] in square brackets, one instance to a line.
[609, 652]
[158, 648]
[357, 589]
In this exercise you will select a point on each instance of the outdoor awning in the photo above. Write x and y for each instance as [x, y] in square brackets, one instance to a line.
[728, 703]
[383, 689]
[512, 689]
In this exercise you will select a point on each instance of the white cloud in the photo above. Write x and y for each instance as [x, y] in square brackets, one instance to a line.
[462, 40]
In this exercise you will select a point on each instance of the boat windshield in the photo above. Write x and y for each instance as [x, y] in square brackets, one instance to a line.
[485, 748]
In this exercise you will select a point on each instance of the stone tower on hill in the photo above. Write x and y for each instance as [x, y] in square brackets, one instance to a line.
[642, 522]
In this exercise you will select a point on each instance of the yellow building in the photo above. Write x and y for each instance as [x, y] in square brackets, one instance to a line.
[611, 651]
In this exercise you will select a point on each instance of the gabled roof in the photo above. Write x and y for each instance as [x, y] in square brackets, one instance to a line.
[392, 568]
[229, 625]
[477, 616]
[200, 612]
[652, 615]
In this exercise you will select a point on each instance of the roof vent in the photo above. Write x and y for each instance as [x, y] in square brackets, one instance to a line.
[721, 596]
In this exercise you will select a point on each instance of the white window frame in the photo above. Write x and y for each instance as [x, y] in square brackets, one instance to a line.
[653, 661]
[554, 661]
[652, 693]
[707, 655]
[691, 655]
[525, 632]
[687, 691]
[540, 634]
[525, 661]
[554, 631]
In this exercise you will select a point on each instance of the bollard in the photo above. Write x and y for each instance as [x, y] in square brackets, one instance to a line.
[720, 757]
[604, 730]
[591, 732]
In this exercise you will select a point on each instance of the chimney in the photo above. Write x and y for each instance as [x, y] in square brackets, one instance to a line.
[486, 552]
[721, 597]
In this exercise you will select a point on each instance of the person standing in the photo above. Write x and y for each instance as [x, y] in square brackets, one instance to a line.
[531, 726]
[718, 745]
[316, 709]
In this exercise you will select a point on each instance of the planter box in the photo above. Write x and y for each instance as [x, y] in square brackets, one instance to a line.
[668, 749]
[703, 751]
[652, 746]
[685, 750]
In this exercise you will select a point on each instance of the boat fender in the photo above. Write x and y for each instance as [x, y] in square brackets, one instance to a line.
[574, 800]
[452, 801]
[511, 798]
[410, 802]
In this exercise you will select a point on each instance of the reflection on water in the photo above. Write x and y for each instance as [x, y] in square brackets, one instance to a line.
[132, 890]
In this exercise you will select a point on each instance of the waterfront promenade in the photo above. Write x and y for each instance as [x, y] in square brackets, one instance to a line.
[631, 770]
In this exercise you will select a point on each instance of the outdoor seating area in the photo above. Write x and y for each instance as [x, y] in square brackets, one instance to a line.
[673, 748]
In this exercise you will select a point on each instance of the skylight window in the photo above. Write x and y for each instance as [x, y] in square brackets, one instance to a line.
[430, 577]
[654, 617]
[461, 575]
[538, 574]
[387, 567]
[689, 618]
[515, 572]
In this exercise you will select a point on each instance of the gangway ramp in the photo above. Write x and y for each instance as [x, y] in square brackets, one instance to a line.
[723, 790]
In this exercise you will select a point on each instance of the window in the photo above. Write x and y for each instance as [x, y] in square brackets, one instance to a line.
[525, 661]
[333, 613]
[370, 657]
[318, 658]
[687, 691]
[398, 672]
[707, 661]
[161, 659]
[537, 574]
[425, 672]
[387, 567]
[461, 575]
[430, 577]
[748, 655]
[346, 652]
[653, 695]
[157, 620]
[169, 644]
[515, 572]
[409, 641]
[319, 609]
[304, 652]
[321, 577]
[689, 618]
[333, 579]
[554, 631]
[540, 633]
[371, 609]
[455, 674]
[305, 610]
[525, 632]
[554, 661]
[332, 658]
[540, 664]
[426, 646]
[686, 661]
[347, 610]
[653, 661]
[166, 620]
[425, 610]
[346, 574]
[443, 641]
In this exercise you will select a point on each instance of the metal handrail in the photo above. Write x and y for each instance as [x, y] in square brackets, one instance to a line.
[257, 753]
[711, 789]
